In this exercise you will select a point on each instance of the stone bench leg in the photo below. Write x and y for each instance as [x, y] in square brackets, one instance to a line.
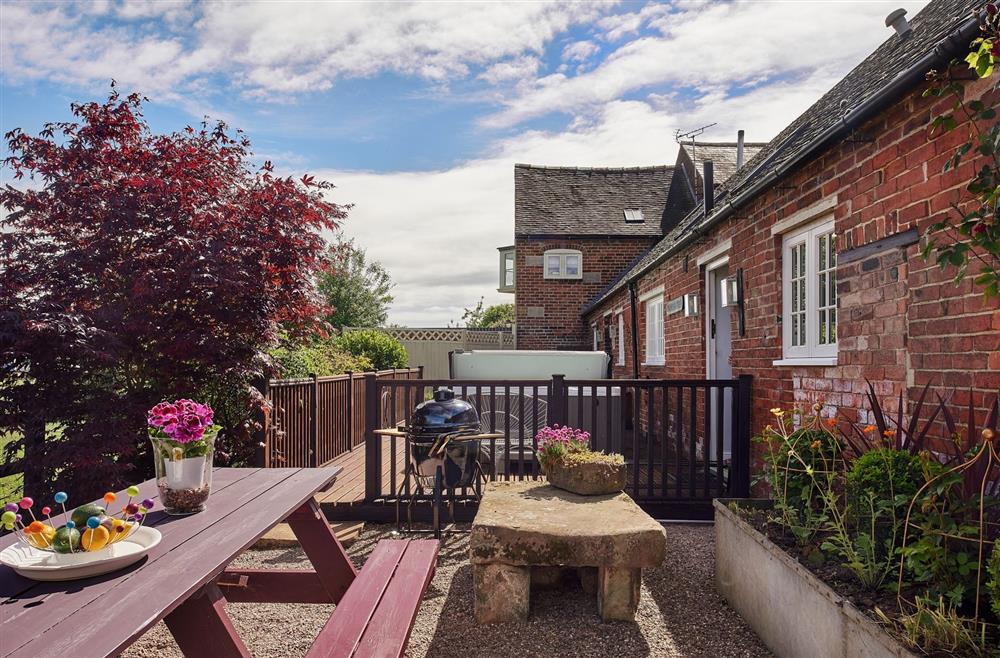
[618, 593]
[502, 592]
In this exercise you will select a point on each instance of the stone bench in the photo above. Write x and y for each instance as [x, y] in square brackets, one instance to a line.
[525, 529]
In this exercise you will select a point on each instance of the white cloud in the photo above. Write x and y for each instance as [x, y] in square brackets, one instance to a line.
[512, 69]
[617, 26]
[579, 51]
[437, 232]
[272, 49]
[714, 45]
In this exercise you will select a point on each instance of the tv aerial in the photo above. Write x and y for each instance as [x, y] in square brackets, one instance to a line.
[691, 134]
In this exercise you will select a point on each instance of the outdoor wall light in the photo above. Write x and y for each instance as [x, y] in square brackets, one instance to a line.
[690, 304]
[730, 291]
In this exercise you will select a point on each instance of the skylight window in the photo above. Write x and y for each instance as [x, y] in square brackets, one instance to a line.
[634, 215]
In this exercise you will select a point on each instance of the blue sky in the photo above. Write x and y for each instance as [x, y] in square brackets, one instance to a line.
[418, 111]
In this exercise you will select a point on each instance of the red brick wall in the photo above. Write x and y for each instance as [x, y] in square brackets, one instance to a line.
[561, 327]
[902, 322]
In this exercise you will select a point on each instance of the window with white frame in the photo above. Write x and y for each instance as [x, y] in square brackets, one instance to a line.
[507, 256]
[563, 264]
[621, 338]
[654, 331]
[809, 292]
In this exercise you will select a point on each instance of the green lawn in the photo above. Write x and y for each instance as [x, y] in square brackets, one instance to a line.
[11, 486]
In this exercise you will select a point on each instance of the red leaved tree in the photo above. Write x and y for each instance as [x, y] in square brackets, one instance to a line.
[136, 267]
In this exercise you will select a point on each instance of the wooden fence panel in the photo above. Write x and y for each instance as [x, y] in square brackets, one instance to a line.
[315, 420]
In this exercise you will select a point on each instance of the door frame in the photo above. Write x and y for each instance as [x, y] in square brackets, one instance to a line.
[711, 292]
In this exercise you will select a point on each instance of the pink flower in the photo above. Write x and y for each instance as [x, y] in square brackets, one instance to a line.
[183, 421]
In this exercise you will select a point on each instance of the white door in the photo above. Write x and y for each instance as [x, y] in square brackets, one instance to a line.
[719, 342]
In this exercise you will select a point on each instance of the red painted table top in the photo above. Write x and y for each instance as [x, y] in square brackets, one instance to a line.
[103, 615]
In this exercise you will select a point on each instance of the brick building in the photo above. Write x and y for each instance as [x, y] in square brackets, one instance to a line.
[802, 268]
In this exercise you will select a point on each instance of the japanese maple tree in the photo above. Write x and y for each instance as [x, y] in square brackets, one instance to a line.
[137, 267]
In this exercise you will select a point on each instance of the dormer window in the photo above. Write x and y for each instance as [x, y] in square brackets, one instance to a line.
[634, 215]
[563, 264]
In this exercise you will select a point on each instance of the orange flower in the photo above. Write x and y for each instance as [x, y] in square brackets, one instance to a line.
[869, 429]
[832, 422]
[889, 433]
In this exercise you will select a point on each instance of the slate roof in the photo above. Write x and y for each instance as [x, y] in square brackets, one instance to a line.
[686, 190]
[932, 34]
[589, 201]
[722, 155]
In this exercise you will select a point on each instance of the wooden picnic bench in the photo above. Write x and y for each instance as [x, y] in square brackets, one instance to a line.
[185, 580]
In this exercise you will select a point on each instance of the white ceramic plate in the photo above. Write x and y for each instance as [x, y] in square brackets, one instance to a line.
[43, 565]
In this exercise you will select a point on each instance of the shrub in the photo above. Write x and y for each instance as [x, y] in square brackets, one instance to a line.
[320, 357]
[882, 475]
[383, 350]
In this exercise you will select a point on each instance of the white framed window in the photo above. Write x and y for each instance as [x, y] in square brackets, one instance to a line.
[654, 331]
[507, 275]
[621, 339]
[809, 294]
[563, 264]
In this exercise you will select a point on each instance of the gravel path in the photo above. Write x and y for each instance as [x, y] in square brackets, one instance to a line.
[680, 614]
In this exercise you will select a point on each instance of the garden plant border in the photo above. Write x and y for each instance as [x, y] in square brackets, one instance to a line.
[793, 611]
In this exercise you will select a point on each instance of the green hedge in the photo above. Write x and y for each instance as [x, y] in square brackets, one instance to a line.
[381, 349]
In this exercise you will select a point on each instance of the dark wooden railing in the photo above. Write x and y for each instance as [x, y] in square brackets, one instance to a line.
[685, 441]
[314, 420]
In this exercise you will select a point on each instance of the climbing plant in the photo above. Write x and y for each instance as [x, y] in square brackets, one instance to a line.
[969, 236]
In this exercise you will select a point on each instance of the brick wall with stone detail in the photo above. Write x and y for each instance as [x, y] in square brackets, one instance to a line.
[902, 322]
[548, 310]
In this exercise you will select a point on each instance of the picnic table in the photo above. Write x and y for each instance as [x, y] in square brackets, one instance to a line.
[529, 530]
[185, 582]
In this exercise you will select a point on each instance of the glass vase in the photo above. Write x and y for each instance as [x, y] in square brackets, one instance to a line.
[184, 473]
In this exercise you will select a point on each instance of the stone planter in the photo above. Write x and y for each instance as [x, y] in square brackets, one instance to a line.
[792, 610]
[590, 478]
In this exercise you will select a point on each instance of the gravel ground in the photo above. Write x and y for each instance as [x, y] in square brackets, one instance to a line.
[680, 614]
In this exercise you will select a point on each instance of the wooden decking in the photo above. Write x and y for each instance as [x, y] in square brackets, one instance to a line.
[344, 500]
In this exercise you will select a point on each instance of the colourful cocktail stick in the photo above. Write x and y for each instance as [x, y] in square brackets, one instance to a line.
[26, 503]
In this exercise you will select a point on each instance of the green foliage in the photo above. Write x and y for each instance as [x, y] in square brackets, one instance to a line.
[800, 465]
[971, 232]
[381, 349]
[867, 533]
[883, 474]
[497, 316]
[942, 554]
[319, 357]
[358, 291]
[993, 584]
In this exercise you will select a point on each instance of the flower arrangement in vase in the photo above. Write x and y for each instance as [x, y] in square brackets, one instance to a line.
[568, 462]
[183, 437]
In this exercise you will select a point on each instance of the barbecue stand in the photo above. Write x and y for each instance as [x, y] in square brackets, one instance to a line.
[444, 451]
[437, 484]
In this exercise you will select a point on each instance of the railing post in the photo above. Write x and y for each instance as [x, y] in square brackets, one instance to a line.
[314, 423]
[742, 425]
[559, 401]
[262, 431]
[349, 443]
[373, 442]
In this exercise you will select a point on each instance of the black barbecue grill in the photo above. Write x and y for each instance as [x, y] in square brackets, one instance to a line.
[445, 450]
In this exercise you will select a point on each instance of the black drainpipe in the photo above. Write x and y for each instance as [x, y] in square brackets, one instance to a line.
[635, 329]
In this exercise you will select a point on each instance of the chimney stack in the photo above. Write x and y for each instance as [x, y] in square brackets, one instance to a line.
[739, 150]
[897, 21]
[708, 179]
